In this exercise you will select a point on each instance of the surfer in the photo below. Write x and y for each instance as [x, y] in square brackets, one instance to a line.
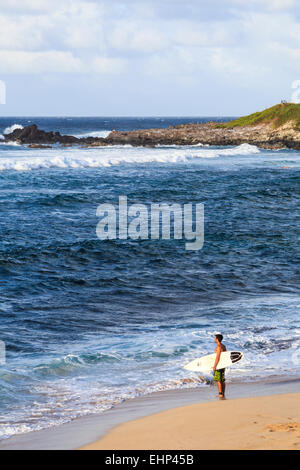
[219, 375]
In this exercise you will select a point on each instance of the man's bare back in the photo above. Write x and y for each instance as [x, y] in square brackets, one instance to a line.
[222, 346]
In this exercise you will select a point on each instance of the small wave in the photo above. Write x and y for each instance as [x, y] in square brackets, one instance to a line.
[180, 145]
[12, 128]
[102, 133]
[70, 362]
[243, 149]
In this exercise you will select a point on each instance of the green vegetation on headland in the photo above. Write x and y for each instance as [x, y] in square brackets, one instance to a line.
[277, 115]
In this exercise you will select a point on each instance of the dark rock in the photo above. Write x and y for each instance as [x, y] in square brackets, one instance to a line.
[33, 135]
[39, 146]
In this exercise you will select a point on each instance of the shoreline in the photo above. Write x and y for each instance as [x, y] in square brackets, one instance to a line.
[86, 430]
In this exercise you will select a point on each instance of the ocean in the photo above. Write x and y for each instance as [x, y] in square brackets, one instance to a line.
[90, 323]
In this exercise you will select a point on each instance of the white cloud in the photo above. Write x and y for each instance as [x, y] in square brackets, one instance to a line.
[26, 6]
[80, 25]
[106, 65]
[69, 26]
[268, 4]
[22, 33]
[129, 36]
[211, 34]
[57, 62]
[173, 63]
[234, 67]
[24, 62]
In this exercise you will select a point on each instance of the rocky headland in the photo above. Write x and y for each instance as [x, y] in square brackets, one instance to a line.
[273, 128]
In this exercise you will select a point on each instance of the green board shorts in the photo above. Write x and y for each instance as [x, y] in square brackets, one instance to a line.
[219, 375]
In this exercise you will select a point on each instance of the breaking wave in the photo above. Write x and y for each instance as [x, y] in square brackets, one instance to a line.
[12, 128]
[9, 143]
[102, 133]
[109, 156]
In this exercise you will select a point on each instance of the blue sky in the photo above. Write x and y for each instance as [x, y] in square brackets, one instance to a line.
[138, 57]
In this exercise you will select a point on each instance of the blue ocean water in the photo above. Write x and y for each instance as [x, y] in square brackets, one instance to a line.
[89, 323]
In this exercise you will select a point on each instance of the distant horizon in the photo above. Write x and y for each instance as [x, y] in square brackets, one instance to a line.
[119, 116]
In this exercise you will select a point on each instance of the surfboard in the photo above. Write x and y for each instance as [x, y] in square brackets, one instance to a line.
[206, 363]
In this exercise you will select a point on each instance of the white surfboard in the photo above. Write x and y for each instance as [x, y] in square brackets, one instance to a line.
[206, 363]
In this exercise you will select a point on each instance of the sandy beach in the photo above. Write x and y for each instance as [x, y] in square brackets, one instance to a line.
[268, 422]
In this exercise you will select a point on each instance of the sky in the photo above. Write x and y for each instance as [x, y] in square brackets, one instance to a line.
[147, 57]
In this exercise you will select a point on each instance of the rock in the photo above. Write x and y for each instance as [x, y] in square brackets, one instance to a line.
[212, 134]
[33, 135]
[38, 146]
[96, 144]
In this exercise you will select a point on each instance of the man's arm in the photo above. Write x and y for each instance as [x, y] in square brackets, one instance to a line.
[218, 354]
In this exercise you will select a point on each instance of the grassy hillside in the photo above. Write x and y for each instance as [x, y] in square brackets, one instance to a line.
[277, 115]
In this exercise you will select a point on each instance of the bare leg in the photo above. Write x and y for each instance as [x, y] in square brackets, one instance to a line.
[220, 387]
[223, 388]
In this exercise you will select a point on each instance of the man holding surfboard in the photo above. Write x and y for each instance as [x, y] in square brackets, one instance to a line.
[216, 362]
[219, 375]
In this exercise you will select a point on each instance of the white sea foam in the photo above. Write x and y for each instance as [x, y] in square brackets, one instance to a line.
[9, 143]
[2, 137]
[178, 146]
[109, 156]
[102, 133]
[12, 128]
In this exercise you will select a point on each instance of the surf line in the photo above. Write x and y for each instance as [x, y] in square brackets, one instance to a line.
[152, 221]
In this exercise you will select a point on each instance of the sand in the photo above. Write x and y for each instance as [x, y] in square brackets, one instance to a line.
[267, 422]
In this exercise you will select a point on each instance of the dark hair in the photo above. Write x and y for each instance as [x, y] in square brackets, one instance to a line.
[219, 337]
